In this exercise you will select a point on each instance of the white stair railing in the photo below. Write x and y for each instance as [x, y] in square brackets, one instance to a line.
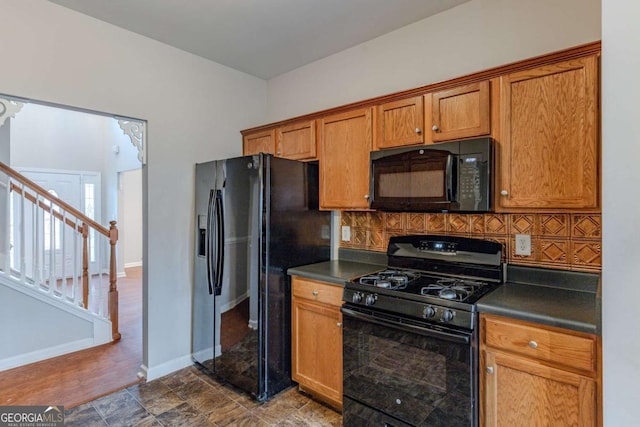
[54, 248]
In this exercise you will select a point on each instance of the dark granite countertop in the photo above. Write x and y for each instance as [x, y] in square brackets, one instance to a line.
[337, 271]
[351, 264]
[567, 300]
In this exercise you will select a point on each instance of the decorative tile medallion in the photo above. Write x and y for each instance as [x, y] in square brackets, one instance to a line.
[554, 224]
[436, 223]
[555, 251]
[457, 223]
[394, 221]
[495, 224]
[359, 237]
[522, 224]
[360, 219]
[586, 225]
[587, 253]
[417, 223]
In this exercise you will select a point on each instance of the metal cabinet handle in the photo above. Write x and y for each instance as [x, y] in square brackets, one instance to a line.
[435, 128]
[315, 293]
[533, 344]
[366, 196]
[418, 131]
[489, 370]
[339, 324]
[504, 193]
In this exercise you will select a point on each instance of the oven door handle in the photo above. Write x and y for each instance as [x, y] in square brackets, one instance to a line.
[426, 331]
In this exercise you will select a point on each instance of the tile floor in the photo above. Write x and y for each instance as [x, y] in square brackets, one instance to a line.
[190, 398]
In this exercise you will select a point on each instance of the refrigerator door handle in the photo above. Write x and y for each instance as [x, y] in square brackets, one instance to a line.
[209, 239]
[219, 214]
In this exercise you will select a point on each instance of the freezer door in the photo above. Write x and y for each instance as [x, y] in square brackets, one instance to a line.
[202, 335]
[238, 351]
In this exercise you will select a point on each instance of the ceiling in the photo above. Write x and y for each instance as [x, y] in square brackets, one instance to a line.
[264, 38]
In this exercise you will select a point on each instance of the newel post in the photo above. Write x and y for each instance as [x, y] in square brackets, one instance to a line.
[113, 282]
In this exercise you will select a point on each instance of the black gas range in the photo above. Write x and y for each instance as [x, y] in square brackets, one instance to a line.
[410, 332]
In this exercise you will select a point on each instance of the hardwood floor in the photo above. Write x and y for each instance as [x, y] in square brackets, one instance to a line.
[80, 377]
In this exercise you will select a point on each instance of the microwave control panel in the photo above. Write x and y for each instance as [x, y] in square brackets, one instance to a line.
[470, 175]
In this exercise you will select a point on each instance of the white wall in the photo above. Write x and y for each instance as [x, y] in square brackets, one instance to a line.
[621, 210]
[54, 138]
[194, 108]
[472, 37]
[130, 219]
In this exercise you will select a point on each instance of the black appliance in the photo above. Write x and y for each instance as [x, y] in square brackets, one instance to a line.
[410, 335]
[448, 176]
[255, 217]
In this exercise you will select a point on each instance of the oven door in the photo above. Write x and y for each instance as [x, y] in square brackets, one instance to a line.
[399, 372]
[416, 180]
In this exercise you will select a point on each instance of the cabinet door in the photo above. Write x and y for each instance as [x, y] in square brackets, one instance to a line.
[460, 112]
[317, 349]
[259, 142]
[345, 143]
[521, 392]
[400, 123]
[297, 141]
[549, 137]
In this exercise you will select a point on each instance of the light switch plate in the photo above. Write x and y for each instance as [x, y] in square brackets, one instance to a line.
[523, 244]
[346, 233]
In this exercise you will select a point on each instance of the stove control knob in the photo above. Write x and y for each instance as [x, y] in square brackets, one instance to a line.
[370, 299]
[448, 315]
[357, 298]
[428, 312]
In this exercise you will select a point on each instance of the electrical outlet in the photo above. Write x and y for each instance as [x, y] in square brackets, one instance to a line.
[346, 233]
[523, 244]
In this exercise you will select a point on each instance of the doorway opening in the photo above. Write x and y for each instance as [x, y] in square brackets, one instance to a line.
[91, 161]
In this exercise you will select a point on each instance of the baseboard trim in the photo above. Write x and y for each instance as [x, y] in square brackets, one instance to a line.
[155, 372]
[133, 264]
[45, 353]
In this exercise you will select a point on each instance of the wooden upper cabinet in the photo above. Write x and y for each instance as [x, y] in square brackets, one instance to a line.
[461, 112]
[549, 145]
[297, 141]
[345, 143]
[400, 123]
[259, 142]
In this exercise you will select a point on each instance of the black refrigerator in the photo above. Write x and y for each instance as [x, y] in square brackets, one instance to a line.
[256, 216]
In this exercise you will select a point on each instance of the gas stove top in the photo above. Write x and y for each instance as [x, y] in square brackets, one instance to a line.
[433, 278]
[415, 282]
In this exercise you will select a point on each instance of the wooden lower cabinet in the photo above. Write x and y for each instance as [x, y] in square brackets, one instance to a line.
[527, 375]
[316, 339]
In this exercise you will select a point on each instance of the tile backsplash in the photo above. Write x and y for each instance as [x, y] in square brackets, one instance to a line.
[567, 241]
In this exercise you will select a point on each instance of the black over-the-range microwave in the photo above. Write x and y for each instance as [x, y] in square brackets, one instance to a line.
[449, 176]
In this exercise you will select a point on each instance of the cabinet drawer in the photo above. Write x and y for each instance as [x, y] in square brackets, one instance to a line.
[317, 291]
[545, 344]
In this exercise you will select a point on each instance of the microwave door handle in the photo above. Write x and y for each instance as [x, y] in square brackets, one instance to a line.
[449, 175]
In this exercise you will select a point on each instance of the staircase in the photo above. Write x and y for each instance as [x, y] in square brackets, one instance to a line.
[58, 282]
